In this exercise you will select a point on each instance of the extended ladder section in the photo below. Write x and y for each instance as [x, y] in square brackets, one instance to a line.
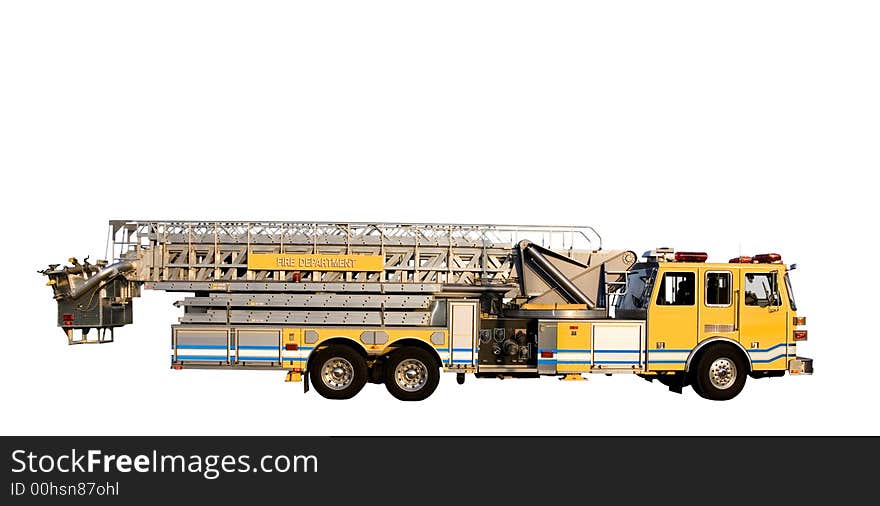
[410, 253]
[367, 274]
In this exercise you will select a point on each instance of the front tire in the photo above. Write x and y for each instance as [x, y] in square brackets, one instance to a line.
[412, 374]
[721, 373]
[338, 372]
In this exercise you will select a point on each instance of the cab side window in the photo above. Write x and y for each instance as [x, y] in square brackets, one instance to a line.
[718, 288]
[677, 289]
[758, 289]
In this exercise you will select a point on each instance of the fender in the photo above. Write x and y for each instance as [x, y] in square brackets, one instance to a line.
[414, 341]
[687, 365]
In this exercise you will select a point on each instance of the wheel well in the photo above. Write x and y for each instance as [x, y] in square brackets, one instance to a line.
[713, 342]
[417, 343]
[344, 341]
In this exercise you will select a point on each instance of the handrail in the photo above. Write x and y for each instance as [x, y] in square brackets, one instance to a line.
[129, 234]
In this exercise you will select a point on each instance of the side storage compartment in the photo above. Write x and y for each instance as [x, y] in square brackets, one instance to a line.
[258, 347]
[618, 345]
[203, 346]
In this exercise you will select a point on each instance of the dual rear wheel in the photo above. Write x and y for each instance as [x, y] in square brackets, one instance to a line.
[340, 372]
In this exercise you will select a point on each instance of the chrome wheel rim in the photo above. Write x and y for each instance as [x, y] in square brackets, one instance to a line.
[411, 375]
[722, 373]
[337, 373]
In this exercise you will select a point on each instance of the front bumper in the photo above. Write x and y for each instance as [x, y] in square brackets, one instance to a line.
[800, 365]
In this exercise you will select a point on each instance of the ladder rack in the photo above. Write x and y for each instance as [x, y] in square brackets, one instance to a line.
[464, 254]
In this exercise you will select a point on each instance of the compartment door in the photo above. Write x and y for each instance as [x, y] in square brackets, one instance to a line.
[258, 346]
[201, 345]
[463, 329]
[618, 345]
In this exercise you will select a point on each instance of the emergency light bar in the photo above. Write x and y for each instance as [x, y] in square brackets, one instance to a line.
[768, 258]
[765, 258]
[691, 256]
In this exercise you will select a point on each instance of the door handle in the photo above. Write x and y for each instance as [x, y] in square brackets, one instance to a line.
[736, 311]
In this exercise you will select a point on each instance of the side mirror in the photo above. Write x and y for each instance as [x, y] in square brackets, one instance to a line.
[792, 267]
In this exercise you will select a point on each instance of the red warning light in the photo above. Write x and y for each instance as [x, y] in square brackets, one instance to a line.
[690, 256]
[768, 258]
[740, 260]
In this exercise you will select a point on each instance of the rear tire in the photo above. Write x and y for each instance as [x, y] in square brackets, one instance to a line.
[721, 373]
[338, 372]
[412, 374]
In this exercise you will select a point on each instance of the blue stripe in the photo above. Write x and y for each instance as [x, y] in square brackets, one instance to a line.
[617, 351]
[201, 357]
[306, 347]
[768, 349]
[617, 362]
[243, 359]
[572, 361]
[574, 350]
[294, 359]
[202, 347]
[257, 347]
[547, 361]
[442, 349]
[461, 361]
[764, 361]
[462, 349]
[665, 350]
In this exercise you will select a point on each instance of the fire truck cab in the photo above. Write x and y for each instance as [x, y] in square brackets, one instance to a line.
[709, 325]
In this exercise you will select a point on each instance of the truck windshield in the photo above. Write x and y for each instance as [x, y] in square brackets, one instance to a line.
[639, 283]
[790, 292]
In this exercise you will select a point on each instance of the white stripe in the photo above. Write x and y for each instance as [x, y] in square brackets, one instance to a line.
[200, 351]
[764, 355]
[258, 353]
[573, 355]
[672, 355]
[616, 356]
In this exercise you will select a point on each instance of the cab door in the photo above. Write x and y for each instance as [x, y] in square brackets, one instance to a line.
[717, 305]
[763, 318]
[672, 317]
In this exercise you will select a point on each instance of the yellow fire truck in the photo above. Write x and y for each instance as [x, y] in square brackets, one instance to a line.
[338, 305]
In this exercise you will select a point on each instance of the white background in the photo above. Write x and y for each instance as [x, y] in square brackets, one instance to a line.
[721, 126]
